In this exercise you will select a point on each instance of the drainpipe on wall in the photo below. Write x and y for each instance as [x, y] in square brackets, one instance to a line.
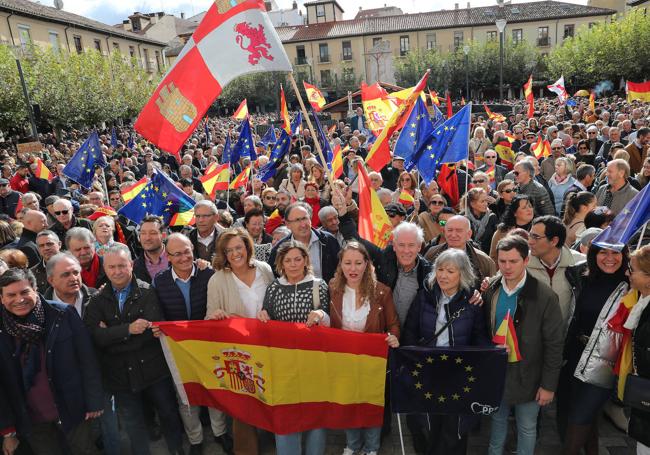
[11, 33]
[67, 40]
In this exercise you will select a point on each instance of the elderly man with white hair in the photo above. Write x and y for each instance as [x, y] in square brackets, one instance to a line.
[65, 218]
[548, 165]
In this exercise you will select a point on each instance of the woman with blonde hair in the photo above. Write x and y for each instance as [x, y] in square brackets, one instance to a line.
[104, 230]
[237, 289]
[479, 143]
[561, 181]
[318, 176]
[407, 184]
[362, 304]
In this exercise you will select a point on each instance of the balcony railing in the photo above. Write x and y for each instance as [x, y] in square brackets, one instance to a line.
[543, 42]
[346, 56]
[324, 58]
[301, 61]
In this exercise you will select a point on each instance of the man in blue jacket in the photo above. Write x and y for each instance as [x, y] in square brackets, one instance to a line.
[49, 373]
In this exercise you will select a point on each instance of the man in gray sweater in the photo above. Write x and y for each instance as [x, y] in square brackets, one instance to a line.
[617, 192]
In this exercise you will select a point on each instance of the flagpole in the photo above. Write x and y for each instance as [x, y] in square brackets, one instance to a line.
[638, 245]
[311, 127]
[469, 134]
[401, 435]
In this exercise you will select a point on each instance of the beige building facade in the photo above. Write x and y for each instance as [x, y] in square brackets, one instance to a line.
[23, 23]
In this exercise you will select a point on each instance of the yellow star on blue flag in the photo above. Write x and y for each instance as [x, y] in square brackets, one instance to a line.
[81, 167]
[279, 152]
[417, 129]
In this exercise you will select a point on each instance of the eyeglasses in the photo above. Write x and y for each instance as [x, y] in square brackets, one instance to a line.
[583, 148]
[557, 148]
[508, 191]
[536, 236]
[593, 132]
[436, 203]
[180, 253]
[490, 157]
[478, 181]
[237, 249]
[270, 198]
[299, 220]
[392, 214]
[61, 212]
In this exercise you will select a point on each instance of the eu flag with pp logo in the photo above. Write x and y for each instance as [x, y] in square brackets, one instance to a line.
[160, 197]
[453, 380]
[448, 143]
[81, 167]
[417, 129]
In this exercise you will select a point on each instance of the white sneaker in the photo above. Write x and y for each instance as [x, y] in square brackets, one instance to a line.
[348, 451]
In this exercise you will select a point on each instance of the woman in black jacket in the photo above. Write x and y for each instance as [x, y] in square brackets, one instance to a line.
[441, 315]
[639, 323]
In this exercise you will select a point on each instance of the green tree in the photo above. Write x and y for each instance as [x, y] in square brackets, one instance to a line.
[13, 112]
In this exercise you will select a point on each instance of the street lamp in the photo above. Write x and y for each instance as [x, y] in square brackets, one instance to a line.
[466, 52]
[501, 26]
[28, 102]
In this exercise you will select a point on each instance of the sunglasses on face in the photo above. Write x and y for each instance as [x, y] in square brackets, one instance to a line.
[436, 203]
[508, 191]
[61, 212]
[478, 181]
[556, 148]
[516, 173]
[490, 157]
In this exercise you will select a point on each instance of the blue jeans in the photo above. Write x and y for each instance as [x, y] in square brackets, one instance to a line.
[163, 397]
[110, 430]
[291, 444]
[526, 417]
[363, 439]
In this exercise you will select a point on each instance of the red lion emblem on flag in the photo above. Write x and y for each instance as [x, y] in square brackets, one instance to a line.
[256, 42]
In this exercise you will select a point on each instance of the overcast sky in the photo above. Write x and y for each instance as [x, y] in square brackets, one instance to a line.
[115, 12]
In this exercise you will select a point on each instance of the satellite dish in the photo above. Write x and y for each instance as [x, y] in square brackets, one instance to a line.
[58, 4]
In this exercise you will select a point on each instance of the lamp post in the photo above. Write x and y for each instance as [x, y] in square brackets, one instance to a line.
[501, 26]
[28, 103]
[466, 52]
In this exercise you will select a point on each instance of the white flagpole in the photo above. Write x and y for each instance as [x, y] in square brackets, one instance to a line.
[638, 245]
[401, 435]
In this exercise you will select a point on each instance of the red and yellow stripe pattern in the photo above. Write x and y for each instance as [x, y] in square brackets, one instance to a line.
[216, 180]
[242, 111]
[132, 191]
[282, 377]
[42, 172]
[284, 112]
[242, 179]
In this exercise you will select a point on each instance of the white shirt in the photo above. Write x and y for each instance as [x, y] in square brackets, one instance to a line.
[78, 304]
[354, 318]
[206, 241]
[176, 277]
[520, 285]
[443, 338]
[252, 297]
[314, 255]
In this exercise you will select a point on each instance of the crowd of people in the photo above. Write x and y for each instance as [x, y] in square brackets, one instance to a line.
[81, 285]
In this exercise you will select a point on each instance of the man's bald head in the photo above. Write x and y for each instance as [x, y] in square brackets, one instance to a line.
[458, 231]
[35, 221]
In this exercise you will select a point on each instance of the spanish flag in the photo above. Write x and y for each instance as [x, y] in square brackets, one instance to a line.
[405, 199]
[492, 116]
[378, 107]
[216, 180]
[379, 154]
[242, 179]
[242, 111]
[541, 148]
[638, 91]
[490, 173]
[374, 224]
[279, 376]
[624, 366]
[505, 152]
[42, 172]
[434, 97]
[507, 336]
[273, 221]
[592, 101]
[450, 107]
[314, 96]
[132, 191]
[183, 218]
[284, 112]
[528, 93]
[337, 161]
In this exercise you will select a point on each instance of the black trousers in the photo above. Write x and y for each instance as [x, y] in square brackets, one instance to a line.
[49, 439]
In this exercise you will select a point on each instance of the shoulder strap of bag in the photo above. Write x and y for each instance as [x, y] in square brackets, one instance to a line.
[316, 293]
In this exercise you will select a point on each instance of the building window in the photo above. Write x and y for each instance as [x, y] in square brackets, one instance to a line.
[320, 10]
[376, 41]
[591, 24]
[158, 63]
[458, 40]
[77, 44]
[131, 51]
[569, 30]
[116, 46]
[517, 35]
[24, 36]
[301, 58]
[136, 26]
[54, 41]
[147, 63]
[404, 46]
[326, 78]
[431, 41]
[347, 50]
[542, 37]
[323, 53]
[492, 35]
[348, 75]
[98, 45]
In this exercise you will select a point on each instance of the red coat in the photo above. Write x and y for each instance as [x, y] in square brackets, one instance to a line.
[19, 183]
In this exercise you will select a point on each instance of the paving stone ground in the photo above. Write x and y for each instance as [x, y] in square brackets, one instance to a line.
[612, 440]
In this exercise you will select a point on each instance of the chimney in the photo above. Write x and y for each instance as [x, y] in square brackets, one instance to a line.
[294, 5]
[182, 15]
[455, 5]
[468, 5]
[268, 6]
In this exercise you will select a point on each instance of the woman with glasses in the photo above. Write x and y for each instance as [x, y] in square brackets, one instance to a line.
[506, 192]
[638, 322]
[428, 220]
[587, 378]
[407, 192]
[561, 181]
[577, 207]
[269, 200]
[584, 155]
[362, 304]
[519, 214]
[482, 180]
[297, 296]
[237, 289]
[483, 221]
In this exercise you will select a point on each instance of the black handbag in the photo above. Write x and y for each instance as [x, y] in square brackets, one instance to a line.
[637, 392]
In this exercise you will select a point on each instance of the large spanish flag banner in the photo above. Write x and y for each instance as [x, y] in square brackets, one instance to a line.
[638, 91]
[279, 376]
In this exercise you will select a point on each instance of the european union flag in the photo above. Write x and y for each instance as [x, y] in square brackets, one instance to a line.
[244, 146]
[453, 380]
[448, 143]
[635, 214]
[416, 130]
[113, 138]
[226, 157]
[81, 168]
[131, 142]
[437, 118]
[278, 153]
[269, 137]
[324, 144]
[160, 197]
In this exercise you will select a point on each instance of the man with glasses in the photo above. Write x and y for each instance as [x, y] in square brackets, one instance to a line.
[490, 157]
[182, 292]
[204, 235]
[48, 245]
[592, 139]
[524, 174]
[396, 212]
[8, 198]
[548, 164]
[115, 199]
[617, 192]
[322, 246]
[65, 219]
[531, 137]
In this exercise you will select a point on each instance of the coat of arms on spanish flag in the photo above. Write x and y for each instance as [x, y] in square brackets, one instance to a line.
[279, 376]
